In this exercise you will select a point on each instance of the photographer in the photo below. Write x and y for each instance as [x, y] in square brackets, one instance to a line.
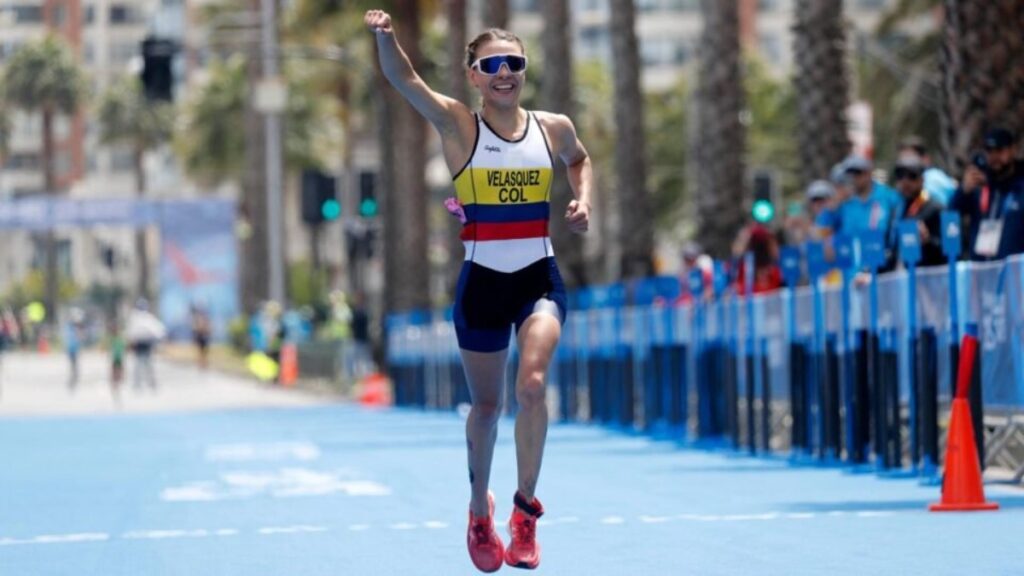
[991, 196]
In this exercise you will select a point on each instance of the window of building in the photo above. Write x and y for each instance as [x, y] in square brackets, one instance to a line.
[23, 161]
[27, 13]
[121, 14]
[8, 48]
[871, 4]
[525, 5]
[89, 14]
[771, 47]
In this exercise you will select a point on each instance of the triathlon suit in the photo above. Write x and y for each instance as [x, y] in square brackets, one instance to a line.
[510, 270]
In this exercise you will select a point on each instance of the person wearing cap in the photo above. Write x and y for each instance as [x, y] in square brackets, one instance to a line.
[939, 185]
[908, 176]
[694, 258]
[991, 198]
[871, 206]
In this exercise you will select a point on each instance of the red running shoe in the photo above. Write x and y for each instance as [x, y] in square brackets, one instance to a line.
[485, 547]
[523, 551]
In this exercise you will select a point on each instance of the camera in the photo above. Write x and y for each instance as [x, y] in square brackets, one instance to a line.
[980, 161]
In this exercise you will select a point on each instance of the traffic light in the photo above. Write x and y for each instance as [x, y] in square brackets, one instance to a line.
[367, 194]
[157, 77]
[763, 208]
[319, 198]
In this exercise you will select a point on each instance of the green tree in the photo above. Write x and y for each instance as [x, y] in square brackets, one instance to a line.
[43, 77]
[773, 119]
[636, 233]
[556, 95]
[719, 148]
[983, 80]
[127, 117]
[214, 140]
[665, 116]
[821, 81]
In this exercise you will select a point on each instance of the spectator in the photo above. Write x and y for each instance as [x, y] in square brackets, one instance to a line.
[201, 334]
[762, 243]
[117, 348]
[143, 331]
[872, 205]
[908, 175]
[73, 345]
[939, 185]
[694, 258]
[991, 197]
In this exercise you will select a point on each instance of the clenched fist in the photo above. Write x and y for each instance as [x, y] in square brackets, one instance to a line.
[378, 21]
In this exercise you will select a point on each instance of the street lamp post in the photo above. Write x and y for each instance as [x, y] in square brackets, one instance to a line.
[271, 98]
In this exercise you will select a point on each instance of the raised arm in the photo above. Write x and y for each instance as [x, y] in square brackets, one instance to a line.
[438, 109]
[567, 146]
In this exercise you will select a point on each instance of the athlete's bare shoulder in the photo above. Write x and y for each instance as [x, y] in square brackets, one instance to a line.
[562, 135]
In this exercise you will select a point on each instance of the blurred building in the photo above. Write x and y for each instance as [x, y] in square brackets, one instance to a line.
[106, 37]
[669, 31]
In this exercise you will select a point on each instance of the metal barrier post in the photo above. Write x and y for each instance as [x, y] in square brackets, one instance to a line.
[844, 253]
[790, 264]
[872, 244]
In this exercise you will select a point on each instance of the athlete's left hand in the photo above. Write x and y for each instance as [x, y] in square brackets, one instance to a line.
[577, 215]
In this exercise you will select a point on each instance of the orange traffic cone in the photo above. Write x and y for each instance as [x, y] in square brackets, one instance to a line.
[289, 365]
[961, 487]
[374, 390]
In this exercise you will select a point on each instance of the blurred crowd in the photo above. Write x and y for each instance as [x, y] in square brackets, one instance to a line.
[857, 197]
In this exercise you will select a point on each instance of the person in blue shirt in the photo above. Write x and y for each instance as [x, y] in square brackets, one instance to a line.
[991, 198]
[871, 206]
[939, 185]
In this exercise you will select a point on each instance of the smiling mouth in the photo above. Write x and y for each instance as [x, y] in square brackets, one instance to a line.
[503, 87]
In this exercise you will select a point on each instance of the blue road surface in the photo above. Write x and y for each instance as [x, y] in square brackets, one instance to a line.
[339, 490]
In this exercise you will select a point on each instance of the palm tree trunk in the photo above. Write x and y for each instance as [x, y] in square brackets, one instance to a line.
[983, 81]
[636, 232]
[458, 89]
[141, 254]
[721, 201]
[556, 96]
[821, 86]
[495, 14]
[406, 268]
[52, 283]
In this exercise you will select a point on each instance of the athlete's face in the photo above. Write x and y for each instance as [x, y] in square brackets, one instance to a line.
[503, 88]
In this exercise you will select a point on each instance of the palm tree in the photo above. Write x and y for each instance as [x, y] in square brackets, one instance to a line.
[403, 132]
[495, 14]
[127, 117]
[636, 229]
[983, 81]
[822, 86]
[44, 77]
[556, 95]
[214, 144]
[720, 134]
[458, 89]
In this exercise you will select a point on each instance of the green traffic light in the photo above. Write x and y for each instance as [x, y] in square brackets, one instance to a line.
[763, 211]
[368, 207]
[330, 210]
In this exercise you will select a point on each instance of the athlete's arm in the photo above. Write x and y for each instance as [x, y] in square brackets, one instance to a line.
[568, 147]
[438, 109]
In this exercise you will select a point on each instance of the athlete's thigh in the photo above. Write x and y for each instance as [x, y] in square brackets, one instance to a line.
[537, 338]
[485, 373]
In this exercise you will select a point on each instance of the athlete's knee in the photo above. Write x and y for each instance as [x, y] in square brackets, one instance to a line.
[487, 411]
[530, 390]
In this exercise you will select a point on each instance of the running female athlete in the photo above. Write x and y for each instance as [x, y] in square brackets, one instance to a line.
[501, 159]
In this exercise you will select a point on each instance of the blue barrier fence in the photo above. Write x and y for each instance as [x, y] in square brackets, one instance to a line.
[829, 372]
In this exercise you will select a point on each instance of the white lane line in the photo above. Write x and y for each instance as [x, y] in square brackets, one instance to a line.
[874, 513]
[169, 534]
[57, 539]
[164, 534]
[291, 529]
